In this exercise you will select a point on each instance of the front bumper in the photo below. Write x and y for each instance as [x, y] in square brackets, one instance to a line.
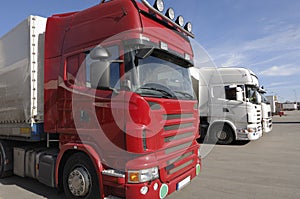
[157, 189]
[267, 125]
[244, 134]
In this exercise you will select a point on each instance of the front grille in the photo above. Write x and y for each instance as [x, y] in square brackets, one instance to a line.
[178, 135]
[258, 115]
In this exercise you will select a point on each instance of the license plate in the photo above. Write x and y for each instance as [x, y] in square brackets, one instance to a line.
[183, 183]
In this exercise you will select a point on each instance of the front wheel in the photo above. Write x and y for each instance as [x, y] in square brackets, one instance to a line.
[80, 179]
[221, 134]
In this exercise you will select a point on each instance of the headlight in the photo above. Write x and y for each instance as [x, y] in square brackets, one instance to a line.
[251, 130]
[144, 175]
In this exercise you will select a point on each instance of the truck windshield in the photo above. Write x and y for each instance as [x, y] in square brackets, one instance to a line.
[160, 75]
[252, 94]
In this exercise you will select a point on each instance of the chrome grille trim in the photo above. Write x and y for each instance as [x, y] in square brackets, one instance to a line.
[178, 126]
[174, 170]
[177, 116]
[172, 161]
[178, 137]
[178, 147]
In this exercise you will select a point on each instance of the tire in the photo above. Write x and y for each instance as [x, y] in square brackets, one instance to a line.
[2, 174]
[80, 179]
[221, 134]
[5, 154]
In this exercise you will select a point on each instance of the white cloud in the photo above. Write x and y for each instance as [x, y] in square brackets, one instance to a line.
[285, 70]
[288, 39]
[235, 59]
[276, 84]
[274, 46]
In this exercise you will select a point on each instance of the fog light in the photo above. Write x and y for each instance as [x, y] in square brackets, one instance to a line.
[144, 190]
[155, 186]
[159, 5]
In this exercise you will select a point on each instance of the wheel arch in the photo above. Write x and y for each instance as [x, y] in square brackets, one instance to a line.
[67, 151]
[224, 122]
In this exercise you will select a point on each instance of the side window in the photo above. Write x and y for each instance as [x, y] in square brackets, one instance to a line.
[114, 67]
[230, 93]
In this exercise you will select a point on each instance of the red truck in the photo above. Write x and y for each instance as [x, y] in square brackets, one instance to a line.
[99, 103]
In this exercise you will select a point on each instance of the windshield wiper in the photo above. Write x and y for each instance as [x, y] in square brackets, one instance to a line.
[185, 94]
[164, 93]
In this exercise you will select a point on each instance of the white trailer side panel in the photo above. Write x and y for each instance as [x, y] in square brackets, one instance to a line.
[21, 73]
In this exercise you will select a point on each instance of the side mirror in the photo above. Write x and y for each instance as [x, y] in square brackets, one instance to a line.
[100, 75]
[259, 99]
[239, 94]
[99, 53]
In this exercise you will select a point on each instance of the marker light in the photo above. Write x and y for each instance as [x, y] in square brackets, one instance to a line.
[180, 20]
[163, 45]
[170, 13]
[159, 5]
[188, 26]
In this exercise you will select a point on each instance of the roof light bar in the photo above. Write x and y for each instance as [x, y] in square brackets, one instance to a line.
[146, 3]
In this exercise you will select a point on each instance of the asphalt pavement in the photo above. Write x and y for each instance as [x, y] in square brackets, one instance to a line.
[268, 168]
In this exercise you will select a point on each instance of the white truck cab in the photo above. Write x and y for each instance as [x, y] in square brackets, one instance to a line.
[229, 104]
[267, 124]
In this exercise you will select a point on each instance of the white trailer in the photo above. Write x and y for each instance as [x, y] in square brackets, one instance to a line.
[272, 100]
[229, 104]
[289, 106]
[21, 80]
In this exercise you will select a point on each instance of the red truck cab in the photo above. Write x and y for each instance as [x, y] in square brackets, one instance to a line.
[118, 99]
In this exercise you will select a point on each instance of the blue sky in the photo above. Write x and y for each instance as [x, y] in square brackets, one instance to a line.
[261, 35]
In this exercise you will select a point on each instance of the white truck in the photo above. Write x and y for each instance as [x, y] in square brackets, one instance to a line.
[267, 124]
[289, 106]
[229, 104]
[272, 99]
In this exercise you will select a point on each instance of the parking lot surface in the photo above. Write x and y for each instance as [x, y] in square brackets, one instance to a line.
[268, 168]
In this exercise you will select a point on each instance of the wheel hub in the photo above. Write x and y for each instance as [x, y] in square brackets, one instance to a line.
[79, 182]
[222, 135]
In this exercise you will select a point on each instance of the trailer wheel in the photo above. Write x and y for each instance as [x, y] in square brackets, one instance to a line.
[80, 179]
[221, 134]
